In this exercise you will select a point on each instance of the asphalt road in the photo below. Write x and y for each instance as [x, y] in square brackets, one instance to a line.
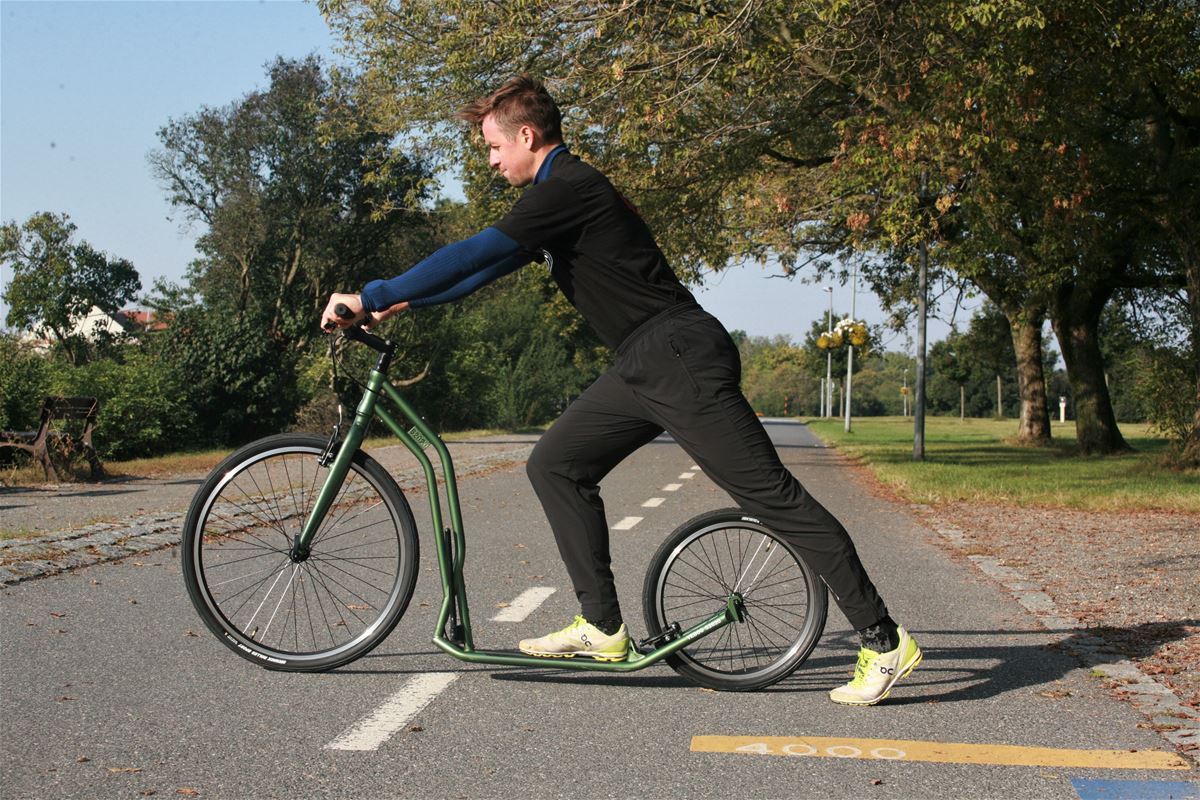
[112, 687]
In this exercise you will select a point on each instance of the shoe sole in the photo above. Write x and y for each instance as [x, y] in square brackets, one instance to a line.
[593, 656]
[902, 674]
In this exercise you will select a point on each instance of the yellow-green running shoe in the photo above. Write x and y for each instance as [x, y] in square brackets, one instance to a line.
[876, 673]
[580, 638]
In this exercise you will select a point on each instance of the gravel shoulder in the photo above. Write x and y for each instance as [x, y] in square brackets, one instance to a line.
[1127, 582]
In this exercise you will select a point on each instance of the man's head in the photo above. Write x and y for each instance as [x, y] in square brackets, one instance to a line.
[520, 124]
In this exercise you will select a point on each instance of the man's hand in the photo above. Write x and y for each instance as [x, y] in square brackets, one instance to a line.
[354, 303]
[330, 320]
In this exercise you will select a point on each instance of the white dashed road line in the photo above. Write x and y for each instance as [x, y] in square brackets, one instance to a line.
[626, 523]
[653, 502]
[525, 604]
[373, 730]
[687, 476]
[672, 487]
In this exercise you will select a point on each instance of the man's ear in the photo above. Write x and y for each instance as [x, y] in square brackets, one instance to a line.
[529, 137]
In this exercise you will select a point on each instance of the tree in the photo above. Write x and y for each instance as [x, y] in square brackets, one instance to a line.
[56, 281]
[297, 199]
[777, 375]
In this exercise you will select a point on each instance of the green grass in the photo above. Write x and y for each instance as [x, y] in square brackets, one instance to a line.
[976, 460]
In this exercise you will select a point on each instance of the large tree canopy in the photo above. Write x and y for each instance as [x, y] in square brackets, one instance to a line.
[1035, 147]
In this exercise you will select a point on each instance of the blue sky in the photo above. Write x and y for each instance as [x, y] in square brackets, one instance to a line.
[84, 87]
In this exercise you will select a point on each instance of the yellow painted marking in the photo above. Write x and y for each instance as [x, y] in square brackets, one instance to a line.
[940, 752]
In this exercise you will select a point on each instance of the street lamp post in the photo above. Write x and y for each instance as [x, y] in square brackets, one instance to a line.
[850, 347]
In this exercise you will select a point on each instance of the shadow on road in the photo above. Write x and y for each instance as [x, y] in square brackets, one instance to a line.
[948, 674]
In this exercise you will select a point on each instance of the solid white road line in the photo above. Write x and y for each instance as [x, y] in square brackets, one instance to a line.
[626, 523]
[672, 487]
[379, 726]
[525, 604]
[653, 502]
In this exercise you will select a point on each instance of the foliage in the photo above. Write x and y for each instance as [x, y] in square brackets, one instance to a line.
[1151, 361]
[143, 403]
[777, 376]
[25, 379]
[239, 382]
[56, 281]
[297, 200]
[1036, 150]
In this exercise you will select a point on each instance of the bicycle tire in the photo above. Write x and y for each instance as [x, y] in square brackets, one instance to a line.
[340, 602]
[696, 569]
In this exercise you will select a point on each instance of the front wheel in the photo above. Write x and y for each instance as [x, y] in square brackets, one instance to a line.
[719, 554]
[316, 613]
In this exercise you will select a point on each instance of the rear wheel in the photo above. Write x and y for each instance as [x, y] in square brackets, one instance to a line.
[703, 563]
[316, 614]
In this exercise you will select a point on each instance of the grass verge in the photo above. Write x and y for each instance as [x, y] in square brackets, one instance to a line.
[976, 461]
[31, 474]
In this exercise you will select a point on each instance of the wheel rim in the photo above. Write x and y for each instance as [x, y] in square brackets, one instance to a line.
[283, 611]
[718, 560]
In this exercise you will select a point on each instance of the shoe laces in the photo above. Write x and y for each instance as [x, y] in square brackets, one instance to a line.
[865, 658]
[578, 623]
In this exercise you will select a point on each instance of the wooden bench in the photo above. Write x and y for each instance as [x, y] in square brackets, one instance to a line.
[38, 443]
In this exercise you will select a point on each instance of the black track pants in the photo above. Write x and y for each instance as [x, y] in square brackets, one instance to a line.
[680, 372]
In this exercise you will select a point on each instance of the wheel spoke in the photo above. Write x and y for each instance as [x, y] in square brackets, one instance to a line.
[714, 560]
[357, 576]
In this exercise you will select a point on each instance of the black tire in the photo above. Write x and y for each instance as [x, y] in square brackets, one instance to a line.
[704, 561]
[325, 611]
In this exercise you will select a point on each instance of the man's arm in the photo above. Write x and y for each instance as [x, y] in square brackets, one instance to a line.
[453, 271]
[476, 281]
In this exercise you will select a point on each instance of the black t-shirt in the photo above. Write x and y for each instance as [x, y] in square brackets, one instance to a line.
[601, 253]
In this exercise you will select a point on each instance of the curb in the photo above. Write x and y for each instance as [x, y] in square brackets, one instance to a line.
[37, 557]
[1174, 721]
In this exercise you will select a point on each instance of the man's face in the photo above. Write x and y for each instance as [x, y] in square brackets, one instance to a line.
[513, 157]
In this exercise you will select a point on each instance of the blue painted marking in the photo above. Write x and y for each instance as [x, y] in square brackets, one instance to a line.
[1088, 789]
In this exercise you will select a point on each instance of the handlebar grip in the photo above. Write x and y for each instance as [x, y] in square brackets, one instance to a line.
[342, 311]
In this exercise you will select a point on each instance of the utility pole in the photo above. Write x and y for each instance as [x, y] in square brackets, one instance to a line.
[922, 313]
[829, 357]
[850, 346]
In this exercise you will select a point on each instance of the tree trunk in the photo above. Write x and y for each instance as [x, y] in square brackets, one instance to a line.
[1034, 425]
[1191, 447]
[1025, 315]
[1076, 321]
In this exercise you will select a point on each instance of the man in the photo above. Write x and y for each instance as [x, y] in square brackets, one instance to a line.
[676, 369]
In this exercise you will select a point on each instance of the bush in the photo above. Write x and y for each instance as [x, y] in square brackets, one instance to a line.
[237, 382]
[142, 406]
[25, 379]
